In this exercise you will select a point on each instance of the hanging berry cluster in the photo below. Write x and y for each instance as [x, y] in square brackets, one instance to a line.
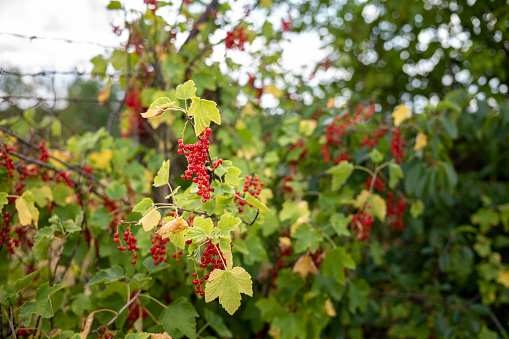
[130, 240]
[396, 208]
[361, 223]
[337, 130]
[373, 140]
[253, 186]
[236, 38]
[158, 249]
[197, 156]
[397, 145]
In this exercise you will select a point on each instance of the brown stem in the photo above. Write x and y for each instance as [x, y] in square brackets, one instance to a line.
[118, 314]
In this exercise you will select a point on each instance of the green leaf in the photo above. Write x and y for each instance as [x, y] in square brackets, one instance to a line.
[340, 224]
[255, 202]
[269, 308]
[3, 200]
[225, 245]
[25, 281]
[178, 319]
[358, 294]
[395, 173]
[376, 156]
[203, 111]
[116, 191]
[157, 108]
[197, 234]
[42, 304]
[340, 173]
[114, 5]
[485, 218]
[307, 238]
[217, 324]
[228, 223]
[178, 239]
[107, 275]
[334, 263]
[163, 174]
[232, 176]
[449, 127]
[292, 325]
[151, 267]
[227, 286]
[416, 209]
[144, 206]
[186, 91]
[205, 223]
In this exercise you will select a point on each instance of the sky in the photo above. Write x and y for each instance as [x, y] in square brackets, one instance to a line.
[89, 21]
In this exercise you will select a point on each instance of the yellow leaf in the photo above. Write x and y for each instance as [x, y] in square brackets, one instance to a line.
[304, 266]
[27, 212]
[101, 160]
[150, 220]
[361, 198]
[164, 335]
[166, 119]
[331, 103]
[329, 308]
[420, 141]
[249, 109]
[272, 89]
[175, 226]
[307, 127]
[104, 94]
[285, 243]
[400, 114]
[62, 156]
[503, 278]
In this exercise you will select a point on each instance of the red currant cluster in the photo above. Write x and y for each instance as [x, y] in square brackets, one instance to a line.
[286, 25]
[197, 155]
[212, 255]
[6, 160]
[362, 224]
[343, 156]
[378, 185]
[371, 142]
[317, 257]
[130, 242]
[199, 282]
[397, 145]
[236, 38]
[105, 336]
[23, 332]
[4, 235]
[158, 249]
[44, 157]
[302, 156]
[253, 186]
[396, 209]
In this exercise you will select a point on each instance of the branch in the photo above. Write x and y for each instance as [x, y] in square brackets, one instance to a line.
[202, 19]
[118, 314]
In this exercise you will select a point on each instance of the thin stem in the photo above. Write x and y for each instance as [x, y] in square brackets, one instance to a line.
[153, 299]
[204, 327]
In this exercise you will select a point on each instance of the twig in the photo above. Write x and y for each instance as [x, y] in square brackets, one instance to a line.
[203, 18]
[496, 322]
[118, 314]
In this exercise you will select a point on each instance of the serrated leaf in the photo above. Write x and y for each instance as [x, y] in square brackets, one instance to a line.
[150, 220]
[42, 196]
[378, 207]
[158, 108]
[304, 266]
[334, 263]
[255, 202]
[340, 173]
[307, 238]
[186, 91]
[116, 191]
[42, 304]
[114, 5]
[107, 275]
[178, 239]
[205, 223]
[144, 206]
[376, 156]
[340, 224]
[197, 234]
[25, 281]
[228, 286]
[217, 324]
[3, 200]
[416, 208]
[203, 111]
[232, 176]
[178, 319]
[395, 173]
[163, 174]
[400, 114]
[228, 223]
[27, 212]
[101, 160]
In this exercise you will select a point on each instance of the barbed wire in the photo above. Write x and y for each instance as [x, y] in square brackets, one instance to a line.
[69, 41]
[50, 73]
[42, 99]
